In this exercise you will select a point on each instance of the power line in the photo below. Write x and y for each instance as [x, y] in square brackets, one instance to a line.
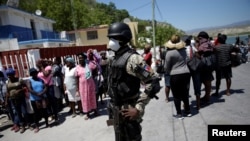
[158, 9]
[140, 7]
[146, 4]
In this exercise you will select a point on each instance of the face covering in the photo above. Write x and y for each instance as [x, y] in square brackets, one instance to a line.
[114, 44]
[111, 53]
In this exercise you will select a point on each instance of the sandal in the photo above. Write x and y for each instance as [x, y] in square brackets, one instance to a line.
[36, 130]
[13, 127]
[30, 128]
[73, 115]
[166, 100]
[86, 117]
[22, 130]
[17, 129]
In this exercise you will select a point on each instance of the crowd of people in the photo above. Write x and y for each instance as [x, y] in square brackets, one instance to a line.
[177, 74]
[82, 80]
[77, 82]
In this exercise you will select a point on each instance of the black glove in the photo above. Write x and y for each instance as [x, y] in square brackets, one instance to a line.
[156, 87]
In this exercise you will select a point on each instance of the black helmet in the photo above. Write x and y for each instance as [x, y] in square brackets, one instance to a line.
[121, 30]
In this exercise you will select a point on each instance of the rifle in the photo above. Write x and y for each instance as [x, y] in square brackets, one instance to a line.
[114, 113]
[115, 121]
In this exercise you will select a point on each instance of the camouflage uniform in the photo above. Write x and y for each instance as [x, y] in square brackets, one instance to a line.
[127, 71]
[130, 68]
[127, 129]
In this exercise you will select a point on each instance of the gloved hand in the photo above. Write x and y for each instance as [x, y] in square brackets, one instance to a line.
[156, 87]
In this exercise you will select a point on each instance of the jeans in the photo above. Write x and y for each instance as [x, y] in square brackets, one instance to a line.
[19, 110]
[196, 83]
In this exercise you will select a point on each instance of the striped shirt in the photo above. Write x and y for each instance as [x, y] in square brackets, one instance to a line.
[223, 52]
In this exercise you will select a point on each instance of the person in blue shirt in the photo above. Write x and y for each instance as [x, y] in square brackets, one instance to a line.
[37, 90]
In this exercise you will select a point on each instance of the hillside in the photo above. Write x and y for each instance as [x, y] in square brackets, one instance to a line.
[242, 27]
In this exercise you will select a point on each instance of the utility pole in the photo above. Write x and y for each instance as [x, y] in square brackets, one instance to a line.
[74, 20]
[153, 24]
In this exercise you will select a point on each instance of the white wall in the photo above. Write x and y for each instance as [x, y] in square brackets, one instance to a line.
[16, 19]
[8, 44]
[4, 18]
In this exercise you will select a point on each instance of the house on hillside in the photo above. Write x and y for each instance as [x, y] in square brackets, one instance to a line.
[97, 35]
[20, 29]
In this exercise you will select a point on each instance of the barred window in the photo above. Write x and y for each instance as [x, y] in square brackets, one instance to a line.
[92, 35]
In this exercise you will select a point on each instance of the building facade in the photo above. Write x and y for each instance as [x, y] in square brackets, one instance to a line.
[29, 30]
[97, 35]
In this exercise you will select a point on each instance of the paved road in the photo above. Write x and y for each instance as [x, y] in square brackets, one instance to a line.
[159, 123]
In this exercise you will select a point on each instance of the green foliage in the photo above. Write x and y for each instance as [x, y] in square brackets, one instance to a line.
[3, 2]
[71, 14]
[77, 14]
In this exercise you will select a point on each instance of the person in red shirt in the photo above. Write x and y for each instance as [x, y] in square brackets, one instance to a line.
[147, 55]
[216, 40]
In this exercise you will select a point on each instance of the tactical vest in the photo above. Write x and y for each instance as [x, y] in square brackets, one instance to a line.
[124, 87]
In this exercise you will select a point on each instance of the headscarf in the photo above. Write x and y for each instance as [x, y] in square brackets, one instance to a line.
[70, 60]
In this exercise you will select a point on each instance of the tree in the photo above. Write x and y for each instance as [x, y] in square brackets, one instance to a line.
[3, 2]
[71, 14]
[164, 32]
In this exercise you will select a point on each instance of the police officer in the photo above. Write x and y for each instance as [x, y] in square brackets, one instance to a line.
[127, 71]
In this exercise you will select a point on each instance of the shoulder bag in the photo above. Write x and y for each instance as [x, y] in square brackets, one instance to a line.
[194, 63]
[235, 58]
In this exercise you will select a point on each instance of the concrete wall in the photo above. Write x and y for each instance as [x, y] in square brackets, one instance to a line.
[101, 39]
[8, 44]
[102, 32]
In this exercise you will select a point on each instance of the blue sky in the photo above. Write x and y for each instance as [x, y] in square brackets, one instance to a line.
[188, 14]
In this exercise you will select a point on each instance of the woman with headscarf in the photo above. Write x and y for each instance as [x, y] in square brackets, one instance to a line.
[176, 66]
[86, 86]
[70, 85]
